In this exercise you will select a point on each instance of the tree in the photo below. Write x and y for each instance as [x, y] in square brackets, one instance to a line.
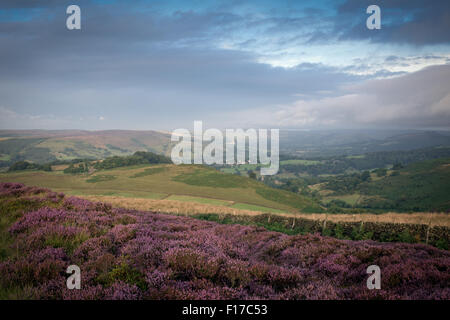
[397, 166]
[381, 172]
[365, 176]
[251, 174]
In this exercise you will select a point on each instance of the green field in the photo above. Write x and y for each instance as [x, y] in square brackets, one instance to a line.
[169, 180]
[229, 170]
[351, 199]
[242, 169]
[216, 202]
[253, 207]
[100, 178]
[148, 172]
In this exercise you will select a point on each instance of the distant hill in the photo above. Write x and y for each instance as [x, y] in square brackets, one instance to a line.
[342, 164]
[406, 141]
[42, 146]
[354, 142]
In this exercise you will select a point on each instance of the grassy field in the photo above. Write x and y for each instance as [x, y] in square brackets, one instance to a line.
[229, 170]
[252, 207]
[351, 199]
[194, 190]
[242, 169]
[200, 183]
[193, 208]
[216, 202]
[182, 206]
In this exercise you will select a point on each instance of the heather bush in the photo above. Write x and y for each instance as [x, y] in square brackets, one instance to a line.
[127, 254]
[190, 264]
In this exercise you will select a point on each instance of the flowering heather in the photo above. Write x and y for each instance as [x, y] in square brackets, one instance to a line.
[126, 254]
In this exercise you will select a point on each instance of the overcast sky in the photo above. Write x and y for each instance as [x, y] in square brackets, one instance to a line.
[275, 64]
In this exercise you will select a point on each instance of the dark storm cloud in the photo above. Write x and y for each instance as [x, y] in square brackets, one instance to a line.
[414, 22]
[16, 4]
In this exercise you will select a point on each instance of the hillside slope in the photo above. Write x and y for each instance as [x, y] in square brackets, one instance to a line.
[46, 146]
[162, 181]
[421, 186]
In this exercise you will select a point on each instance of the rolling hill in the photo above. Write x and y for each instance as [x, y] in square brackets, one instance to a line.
[42, 146]
[353, 142]
[420, 186]
[164, 181]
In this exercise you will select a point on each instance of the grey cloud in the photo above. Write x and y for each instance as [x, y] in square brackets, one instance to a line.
[146, 70]
[25, 4]
[417, 100]
[414, 22]
[392, 58]
[126, 70]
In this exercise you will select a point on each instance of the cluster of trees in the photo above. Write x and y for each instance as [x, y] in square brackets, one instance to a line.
[348, 183]
[139, 157]
[73, 161]
[380, 172]
[324, 167]
[77, 166]
[25, 165]
[296, 185]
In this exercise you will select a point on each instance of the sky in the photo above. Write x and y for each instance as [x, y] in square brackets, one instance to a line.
[161, 65]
